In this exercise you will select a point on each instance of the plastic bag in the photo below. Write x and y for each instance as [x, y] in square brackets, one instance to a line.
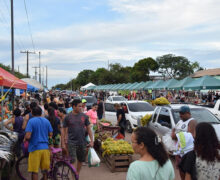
[93, 158]
[169, 143]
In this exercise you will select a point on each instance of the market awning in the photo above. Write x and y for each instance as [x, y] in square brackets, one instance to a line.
[154, 84]
[179, 85]
[130, 86]
[34, 83]
[147, 84]
[136, 87]
[166, 84]
[9, 80]
[205, 82]
[123, 87]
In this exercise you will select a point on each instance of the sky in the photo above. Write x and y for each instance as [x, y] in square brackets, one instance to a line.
[73, 35]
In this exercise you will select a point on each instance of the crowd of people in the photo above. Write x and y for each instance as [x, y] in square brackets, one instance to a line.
[65, 122]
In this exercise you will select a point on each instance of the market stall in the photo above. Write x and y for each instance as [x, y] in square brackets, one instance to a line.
[110, 144]
[33, 84]
[10, 81]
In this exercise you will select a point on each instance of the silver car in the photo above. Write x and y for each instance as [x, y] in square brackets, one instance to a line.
[165, 118]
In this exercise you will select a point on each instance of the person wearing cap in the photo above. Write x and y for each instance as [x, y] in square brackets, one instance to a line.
[184, 129]
[84, 108]
[186, 123]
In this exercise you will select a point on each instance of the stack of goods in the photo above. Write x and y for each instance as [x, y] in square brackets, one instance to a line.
[103, 135]
[145, 119]
[7, 145]
[111, 146]
[104, 122]
[161, 101]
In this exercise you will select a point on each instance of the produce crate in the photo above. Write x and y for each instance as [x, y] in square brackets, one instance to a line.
[118, 163]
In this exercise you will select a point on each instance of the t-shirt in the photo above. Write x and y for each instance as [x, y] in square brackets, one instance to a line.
[40, 128]
[150, 170]
[76, 128]
[55, 126]
[92, 115]
[100, 108]
[207, 170]
[121, 112]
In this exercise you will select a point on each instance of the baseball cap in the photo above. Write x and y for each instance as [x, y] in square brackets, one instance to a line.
[84, 101]
[185, 109]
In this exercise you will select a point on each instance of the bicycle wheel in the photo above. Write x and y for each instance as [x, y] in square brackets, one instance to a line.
[22, 168]
[64, 171]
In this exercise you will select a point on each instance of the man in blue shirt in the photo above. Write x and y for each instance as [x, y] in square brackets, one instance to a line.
[37, 131]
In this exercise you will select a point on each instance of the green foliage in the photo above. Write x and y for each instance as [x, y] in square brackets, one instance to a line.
[142, 68]
[16, 73]
[168, 65]
[177, 67]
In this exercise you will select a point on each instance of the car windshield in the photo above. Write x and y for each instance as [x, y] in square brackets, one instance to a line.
[89, 99]
[200, 115]
[140, 107]
[118, 98]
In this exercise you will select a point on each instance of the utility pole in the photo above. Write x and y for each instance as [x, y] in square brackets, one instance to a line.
[39, 67]
[12, 37]
[46, 75]
[27, 52]
[35, 67]
[43, 76]
[18, 69]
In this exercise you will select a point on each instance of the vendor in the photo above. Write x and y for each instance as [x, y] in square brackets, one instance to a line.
[16, 120]
[121, 120]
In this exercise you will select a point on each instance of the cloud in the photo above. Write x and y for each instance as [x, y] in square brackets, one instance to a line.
[143, 28]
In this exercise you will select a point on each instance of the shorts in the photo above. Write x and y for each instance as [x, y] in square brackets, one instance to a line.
[55, 140]
[39, 159]
[77, 152]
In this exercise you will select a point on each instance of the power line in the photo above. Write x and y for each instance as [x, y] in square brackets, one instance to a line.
[29, 25]
[7, 28]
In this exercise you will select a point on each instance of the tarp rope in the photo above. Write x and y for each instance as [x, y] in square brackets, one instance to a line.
[3, 97]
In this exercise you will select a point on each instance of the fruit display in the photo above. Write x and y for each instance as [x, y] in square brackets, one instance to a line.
[105, 121]
[145, 119]
[161, 101]
[111, 146]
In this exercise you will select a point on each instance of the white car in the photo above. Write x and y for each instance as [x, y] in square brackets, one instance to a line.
[134, 111]
[165, 118]
[115, 98]
[216, 109]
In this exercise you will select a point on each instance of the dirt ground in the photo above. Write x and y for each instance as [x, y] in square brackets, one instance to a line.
[103, 172]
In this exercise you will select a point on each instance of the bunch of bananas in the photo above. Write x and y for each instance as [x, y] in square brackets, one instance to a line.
[145, 119]
[161, 101]
[111, 146]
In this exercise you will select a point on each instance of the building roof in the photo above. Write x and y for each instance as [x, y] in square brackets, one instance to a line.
[209, 72]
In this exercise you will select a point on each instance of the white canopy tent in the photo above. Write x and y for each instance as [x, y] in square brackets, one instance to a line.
[86, 86]
[33, 82]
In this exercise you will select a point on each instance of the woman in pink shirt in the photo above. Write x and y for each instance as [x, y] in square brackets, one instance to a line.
[93, 117]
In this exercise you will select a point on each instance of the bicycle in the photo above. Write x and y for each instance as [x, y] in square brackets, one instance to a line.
[60, 167]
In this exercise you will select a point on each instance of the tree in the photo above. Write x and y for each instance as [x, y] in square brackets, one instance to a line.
[119, 73]
[177, 67]
[84, 77]
[142, 68]
[101, 76]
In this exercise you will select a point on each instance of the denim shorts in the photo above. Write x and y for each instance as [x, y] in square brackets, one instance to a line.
[77, 152]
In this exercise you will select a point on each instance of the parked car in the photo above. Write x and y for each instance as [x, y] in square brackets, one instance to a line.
[216, 109]
[133, 111]
[115, 98]
[90, 101]
[165, 118]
